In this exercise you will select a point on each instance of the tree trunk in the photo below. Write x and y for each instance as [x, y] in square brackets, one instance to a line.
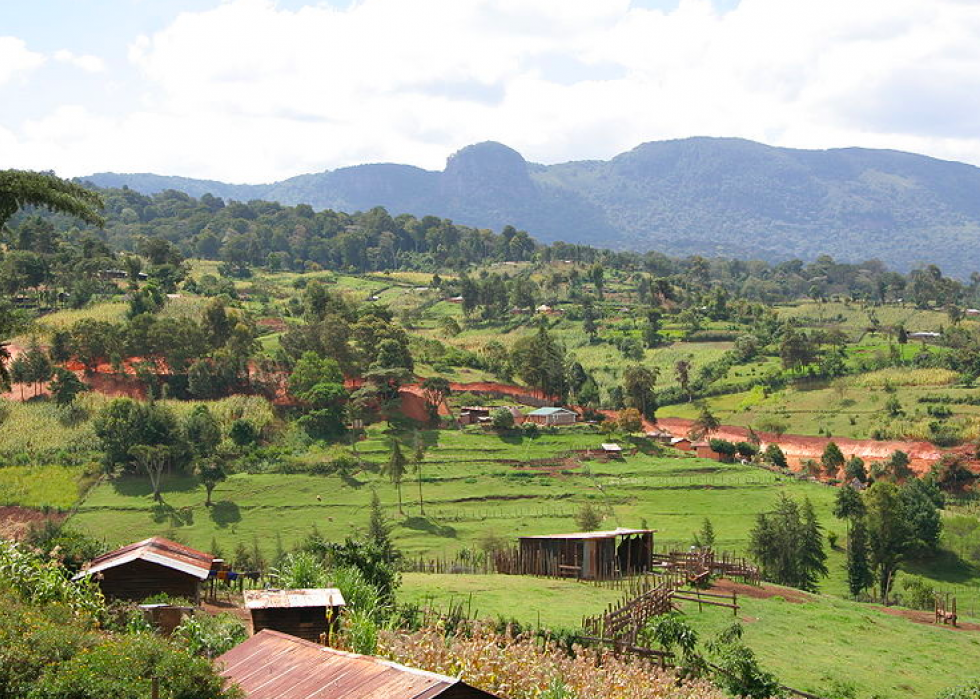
[421, 502]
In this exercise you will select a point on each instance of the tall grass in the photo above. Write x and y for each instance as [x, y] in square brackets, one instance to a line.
[40, 486]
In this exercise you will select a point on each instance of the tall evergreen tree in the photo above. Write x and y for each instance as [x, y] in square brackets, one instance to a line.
[395, 470]
[859, 574]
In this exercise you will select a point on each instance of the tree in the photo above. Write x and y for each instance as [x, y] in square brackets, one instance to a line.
[379, 529]
[540, 362]
[319, 384]
[4, 367]
[588, 518]
[922, 500]
[705, 424]
[788, 544]
[435, 390]
[65, 386]
[705, 537]
[210, 472]
[502, 419]
[682, 369]
[153, 460]
[848, 503]
[832, 459]
[951, 472]
[417, 459]
[855, 470]
[203, 431]
[898, 465]
[395, 470]
[859, 574]
[775, 456]
[888, 534]
[638, 385]
[20, 188]
[629, 421]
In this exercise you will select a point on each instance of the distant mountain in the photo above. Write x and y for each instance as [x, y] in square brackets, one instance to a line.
[707, 196]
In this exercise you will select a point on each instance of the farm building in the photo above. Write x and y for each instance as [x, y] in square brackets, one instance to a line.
[660, 436]
[553, 416]
[704, 451]
[588, 555]
[309, 614]
[472, 414]
[612, 450]
[682, 443]
[151, 567]
[273, 665]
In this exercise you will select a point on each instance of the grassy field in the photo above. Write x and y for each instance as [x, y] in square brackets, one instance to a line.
[472, 488]
[40, 486]
[823, 645]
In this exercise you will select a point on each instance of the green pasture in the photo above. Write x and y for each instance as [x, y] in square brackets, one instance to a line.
[823, 644]
[474, 485]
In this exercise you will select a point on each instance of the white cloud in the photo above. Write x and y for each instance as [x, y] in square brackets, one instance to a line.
[88, 63]
[16, 58]
[248, 91]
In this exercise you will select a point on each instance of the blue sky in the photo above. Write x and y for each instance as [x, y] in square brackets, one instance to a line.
[256, 90]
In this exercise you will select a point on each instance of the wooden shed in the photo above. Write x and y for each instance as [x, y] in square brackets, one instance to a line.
[273, 665]
[588, 555]
[309, 614]
[150, 567]
[553, 416]
[682, 443]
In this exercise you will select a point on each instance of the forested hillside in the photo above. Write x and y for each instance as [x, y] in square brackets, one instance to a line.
[724, 197]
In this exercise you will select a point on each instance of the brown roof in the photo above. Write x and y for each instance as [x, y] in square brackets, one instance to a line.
[273, 665]
[611, 534]
[157, 550]
[288, 599]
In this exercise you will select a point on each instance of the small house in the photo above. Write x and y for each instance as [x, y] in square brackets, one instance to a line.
[660, 436]
[273, 665]
[612, 450]
[924, 336]
[309, 614]
[682, 443]
[472, 414]
[972, 312]
[151, 567]
[588, 555]
[553, 416]
[704, 451]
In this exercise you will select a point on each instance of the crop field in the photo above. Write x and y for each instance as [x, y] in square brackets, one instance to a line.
[40, 486]
[803, 639]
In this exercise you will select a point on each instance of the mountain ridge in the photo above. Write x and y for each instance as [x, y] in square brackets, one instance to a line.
[710, 196]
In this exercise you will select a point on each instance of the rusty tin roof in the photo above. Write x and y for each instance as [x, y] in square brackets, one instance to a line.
[274, 665]
[611, 534]
[284, 599]
[157, 550]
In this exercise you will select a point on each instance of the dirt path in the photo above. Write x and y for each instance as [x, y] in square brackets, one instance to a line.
[16, 521]
[926, 618]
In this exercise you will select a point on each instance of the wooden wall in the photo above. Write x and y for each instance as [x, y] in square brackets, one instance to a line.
[138, 580]
[303, 622]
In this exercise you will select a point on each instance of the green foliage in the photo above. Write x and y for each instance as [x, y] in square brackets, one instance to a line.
[588, 518]
[210, 635]
[917, 593]
[705, 537]
[502, 419]
[970, 690]
[43, 581]
[65, 386]
[739, 672]
[301, 570]
[859, 574]
[123, 667]
[775, 456]
[20, 188]
[788, 544]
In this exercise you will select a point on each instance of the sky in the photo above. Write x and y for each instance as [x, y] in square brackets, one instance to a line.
[260, 90]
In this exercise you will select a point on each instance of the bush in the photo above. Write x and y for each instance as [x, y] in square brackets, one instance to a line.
[243, 433]
[917, 593]
[502, 419]
[210, 636]
[775, 456]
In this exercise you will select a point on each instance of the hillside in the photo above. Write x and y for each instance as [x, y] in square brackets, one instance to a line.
[706, 196]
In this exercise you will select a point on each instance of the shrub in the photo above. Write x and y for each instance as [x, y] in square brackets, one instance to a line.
[502, 419]
[210, 636]
[917, 593]
[588, 518]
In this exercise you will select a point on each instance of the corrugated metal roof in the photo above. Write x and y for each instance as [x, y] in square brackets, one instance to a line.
[284, 599]
[593, 535]
[551, 411]
[156, 550]
[273, 665]
[610, 446]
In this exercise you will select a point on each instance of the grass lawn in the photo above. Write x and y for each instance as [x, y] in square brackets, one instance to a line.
[807, 645]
